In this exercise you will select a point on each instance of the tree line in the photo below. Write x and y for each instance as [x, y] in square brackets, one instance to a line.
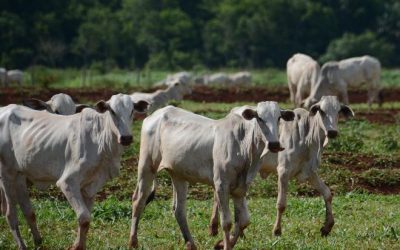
[182, 34]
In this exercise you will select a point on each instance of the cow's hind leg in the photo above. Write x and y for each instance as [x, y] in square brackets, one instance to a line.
[3, 202]
[283, 180]
[180, 189]
[213, 228]
[324, 190]
[27, 210]
[143, 190]
[10, 194]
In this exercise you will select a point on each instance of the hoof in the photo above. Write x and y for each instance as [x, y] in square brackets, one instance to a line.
[213, 230]
[75, 247]
[277, 232]
[219, 245]
[133, 243]
[325, 232]
[190, 246]
[38, 242]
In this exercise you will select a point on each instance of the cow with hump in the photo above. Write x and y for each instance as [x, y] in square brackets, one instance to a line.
[222, 153]
[78, 153]
[303, 139]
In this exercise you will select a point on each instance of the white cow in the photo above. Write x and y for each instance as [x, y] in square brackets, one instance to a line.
[59, 104]
[222, 153]
[217, 79]
[302, 74]
[336, 77]
[160, 98]
[182, 77]
[78, 153]
[3, 76]
[242, 78]
[303, 140]
[15, 76]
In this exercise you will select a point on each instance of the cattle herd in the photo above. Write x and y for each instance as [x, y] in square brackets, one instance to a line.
[78, 147]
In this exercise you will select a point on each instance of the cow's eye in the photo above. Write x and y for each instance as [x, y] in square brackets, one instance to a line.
[57, 112]
[322, 112]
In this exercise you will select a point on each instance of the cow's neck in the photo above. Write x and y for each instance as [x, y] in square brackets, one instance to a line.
[316, 136]
[107, 137]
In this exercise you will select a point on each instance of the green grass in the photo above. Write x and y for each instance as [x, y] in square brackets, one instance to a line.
[362, 222]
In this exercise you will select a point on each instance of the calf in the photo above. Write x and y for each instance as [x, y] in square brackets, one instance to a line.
[303, 140]
[78, 153]
[222, 153]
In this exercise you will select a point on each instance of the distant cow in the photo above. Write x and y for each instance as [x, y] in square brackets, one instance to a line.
[302, 74]
[183, 77]
[15, 76]
[78, 153]
[336, 77]
[3, 76]
[303, 140]
[242, 78]
[217, 79]
[161, 97]
[222, 153]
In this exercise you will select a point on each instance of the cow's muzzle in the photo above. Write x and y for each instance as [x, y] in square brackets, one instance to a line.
[332, 134]
[125, 140]
[275, 147]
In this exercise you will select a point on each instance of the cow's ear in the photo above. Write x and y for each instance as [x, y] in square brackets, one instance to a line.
[80, 107]
[287, 115]
[36, 104]
[249, 114]
[346, 111]
[314, 109]
[141, 106]
[102, 106]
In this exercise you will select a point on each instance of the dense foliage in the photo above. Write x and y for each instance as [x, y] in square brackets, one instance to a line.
[172, 34]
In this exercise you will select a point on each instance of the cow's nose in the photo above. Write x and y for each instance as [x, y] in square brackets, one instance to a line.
[125, 140]
[275, 147]
[332, 134]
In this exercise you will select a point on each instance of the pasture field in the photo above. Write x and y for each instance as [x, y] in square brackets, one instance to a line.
[361, 166]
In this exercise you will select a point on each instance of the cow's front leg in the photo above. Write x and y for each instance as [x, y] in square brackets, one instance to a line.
[283, 180]
[222, 192]
[324, 190]
[241, 218]
[72, 192]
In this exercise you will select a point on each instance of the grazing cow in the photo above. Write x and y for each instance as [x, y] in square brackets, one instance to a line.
[217, 79]
[3, 76]
[78, 153]
[15, 76]
[240, 79]
[302, 74]
[303, 140]
[160, 98]
[222, 153]
[336, 77]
